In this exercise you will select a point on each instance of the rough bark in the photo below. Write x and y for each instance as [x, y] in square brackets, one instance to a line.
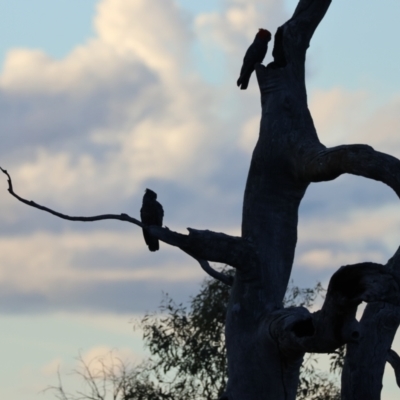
[266, 343]
[258, 366]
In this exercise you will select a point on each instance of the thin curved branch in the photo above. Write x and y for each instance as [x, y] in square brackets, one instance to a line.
[228, 280]
[394, 360]
[325, 164]
[201, 244]
[121, 217]
[219, 276]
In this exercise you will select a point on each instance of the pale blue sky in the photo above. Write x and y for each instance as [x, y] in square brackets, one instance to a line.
[54, 26]
[352, 47]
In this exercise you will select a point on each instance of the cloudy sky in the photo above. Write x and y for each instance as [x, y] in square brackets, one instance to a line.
[103, 98]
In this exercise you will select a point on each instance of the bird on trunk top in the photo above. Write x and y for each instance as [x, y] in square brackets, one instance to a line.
[254, 55]
[151, 213]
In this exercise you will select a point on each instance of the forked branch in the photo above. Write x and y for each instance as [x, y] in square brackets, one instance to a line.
[200, 244]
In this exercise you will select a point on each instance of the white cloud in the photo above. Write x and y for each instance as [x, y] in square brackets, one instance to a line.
[51, 368]
[351, 237]
[53, 264]
[129, 107]
[343, 116]
[331, 259]
[338, 113]
[361, 224]
[236, 26]
[159, 35]
[249, 136]
[111, 358]
[126, 95]
[99, 361]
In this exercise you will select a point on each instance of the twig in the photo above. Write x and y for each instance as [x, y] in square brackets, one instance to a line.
[121, 217]
[228, 280]
[205, 265]
[207, 245]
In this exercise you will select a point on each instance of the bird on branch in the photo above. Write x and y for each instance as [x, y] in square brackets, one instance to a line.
[254, 55]
[151, 213]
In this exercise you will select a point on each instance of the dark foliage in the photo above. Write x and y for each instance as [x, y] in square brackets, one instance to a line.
[188, 356]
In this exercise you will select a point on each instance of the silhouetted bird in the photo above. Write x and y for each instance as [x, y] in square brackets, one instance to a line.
[151, 213]
[254, 55]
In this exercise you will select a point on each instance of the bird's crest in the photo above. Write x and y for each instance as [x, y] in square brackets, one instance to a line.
[264, 34]
[149, 193]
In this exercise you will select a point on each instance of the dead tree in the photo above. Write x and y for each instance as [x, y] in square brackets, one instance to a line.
[266, 342]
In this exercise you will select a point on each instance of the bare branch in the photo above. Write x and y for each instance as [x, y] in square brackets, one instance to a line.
[325, 164]
[305, 20]
[297, 330]
[219, 276]
[394, 360]
[121, 217]
[202, 245]
[228, 280]
[367, 282]
[59, 390]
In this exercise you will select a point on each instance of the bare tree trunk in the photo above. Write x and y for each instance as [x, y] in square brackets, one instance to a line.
[288, 156]
[258, 369]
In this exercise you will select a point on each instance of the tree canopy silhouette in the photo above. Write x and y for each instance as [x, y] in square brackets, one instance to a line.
[188, 355]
